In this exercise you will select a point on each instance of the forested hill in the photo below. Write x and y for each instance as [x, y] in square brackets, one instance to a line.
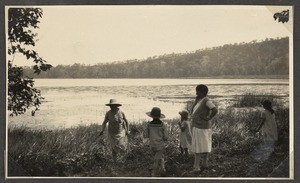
[268, 57]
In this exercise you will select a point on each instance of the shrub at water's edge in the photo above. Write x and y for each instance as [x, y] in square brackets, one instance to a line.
[80, 151]
[254, 100]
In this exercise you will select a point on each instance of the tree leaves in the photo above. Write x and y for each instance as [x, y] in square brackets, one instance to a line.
[19, 20]
[45, 67]
[21, 92]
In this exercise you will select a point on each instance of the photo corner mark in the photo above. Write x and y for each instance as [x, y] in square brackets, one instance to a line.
[282, 16]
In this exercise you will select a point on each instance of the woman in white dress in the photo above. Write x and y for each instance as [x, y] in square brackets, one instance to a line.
[203, 111]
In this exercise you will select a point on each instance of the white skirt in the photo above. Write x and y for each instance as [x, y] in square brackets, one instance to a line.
[201, 140]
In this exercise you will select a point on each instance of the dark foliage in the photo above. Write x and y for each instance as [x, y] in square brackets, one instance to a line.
[21, 92]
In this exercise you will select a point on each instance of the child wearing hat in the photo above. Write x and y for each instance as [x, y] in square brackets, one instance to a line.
[158, 135]
[185, 136]
[117, 128]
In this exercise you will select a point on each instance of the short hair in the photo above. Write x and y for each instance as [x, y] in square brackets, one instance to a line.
[267, 104]
[202, 88]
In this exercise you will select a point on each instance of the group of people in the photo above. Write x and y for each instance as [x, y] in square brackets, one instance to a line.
[195, 130]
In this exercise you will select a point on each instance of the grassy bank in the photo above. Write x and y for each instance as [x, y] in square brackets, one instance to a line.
[80, 151]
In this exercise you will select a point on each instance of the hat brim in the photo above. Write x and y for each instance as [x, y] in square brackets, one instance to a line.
[182, 113]
[113, 104]
[161, 115]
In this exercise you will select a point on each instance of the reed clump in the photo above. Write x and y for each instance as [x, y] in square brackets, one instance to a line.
[254, 100]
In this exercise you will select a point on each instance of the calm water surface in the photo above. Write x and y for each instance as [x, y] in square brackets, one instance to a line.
[71, 102]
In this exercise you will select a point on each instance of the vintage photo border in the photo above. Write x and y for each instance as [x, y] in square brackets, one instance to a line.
[294, 71]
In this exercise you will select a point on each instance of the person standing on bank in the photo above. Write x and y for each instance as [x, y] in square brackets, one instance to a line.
[158, 135]
[185, 137]
[117, 128]
[268, 127]
[203, 110]
[268, 124]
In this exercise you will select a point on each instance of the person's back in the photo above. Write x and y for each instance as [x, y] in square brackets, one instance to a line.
[269, 129]
[157, 134]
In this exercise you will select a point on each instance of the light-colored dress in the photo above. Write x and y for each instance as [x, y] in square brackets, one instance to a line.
[185, 136]
[269, 129]
[116, 135]
[201, 137]
[201, 140]
[269, 134]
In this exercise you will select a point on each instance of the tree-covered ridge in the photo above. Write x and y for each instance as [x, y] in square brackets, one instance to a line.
[268, 57]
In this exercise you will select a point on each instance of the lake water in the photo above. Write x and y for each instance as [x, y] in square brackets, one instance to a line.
[71, 102]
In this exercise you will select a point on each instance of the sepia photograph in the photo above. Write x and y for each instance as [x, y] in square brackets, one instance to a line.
[149, 92]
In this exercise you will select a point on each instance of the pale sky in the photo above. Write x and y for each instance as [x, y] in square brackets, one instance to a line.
[100, 34]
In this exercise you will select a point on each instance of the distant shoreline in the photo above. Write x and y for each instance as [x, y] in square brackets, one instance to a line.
[213, 77]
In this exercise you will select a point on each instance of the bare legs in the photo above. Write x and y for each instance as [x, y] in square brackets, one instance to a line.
[155, 167]
[158, 167]
[205, 160]
[158, 164]
[197, 161]
[184, 150]
[198, 158]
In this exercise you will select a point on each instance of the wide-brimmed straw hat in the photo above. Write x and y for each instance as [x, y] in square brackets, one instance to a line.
[155, 112]
[113, 102]
[184, 113]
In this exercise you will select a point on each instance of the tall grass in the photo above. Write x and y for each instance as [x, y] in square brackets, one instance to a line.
[80, 151]
[254, 100]
[58, 152]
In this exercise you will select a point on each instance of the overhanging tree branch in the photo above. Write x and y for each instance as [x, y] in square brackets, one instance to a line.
[22, 94]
